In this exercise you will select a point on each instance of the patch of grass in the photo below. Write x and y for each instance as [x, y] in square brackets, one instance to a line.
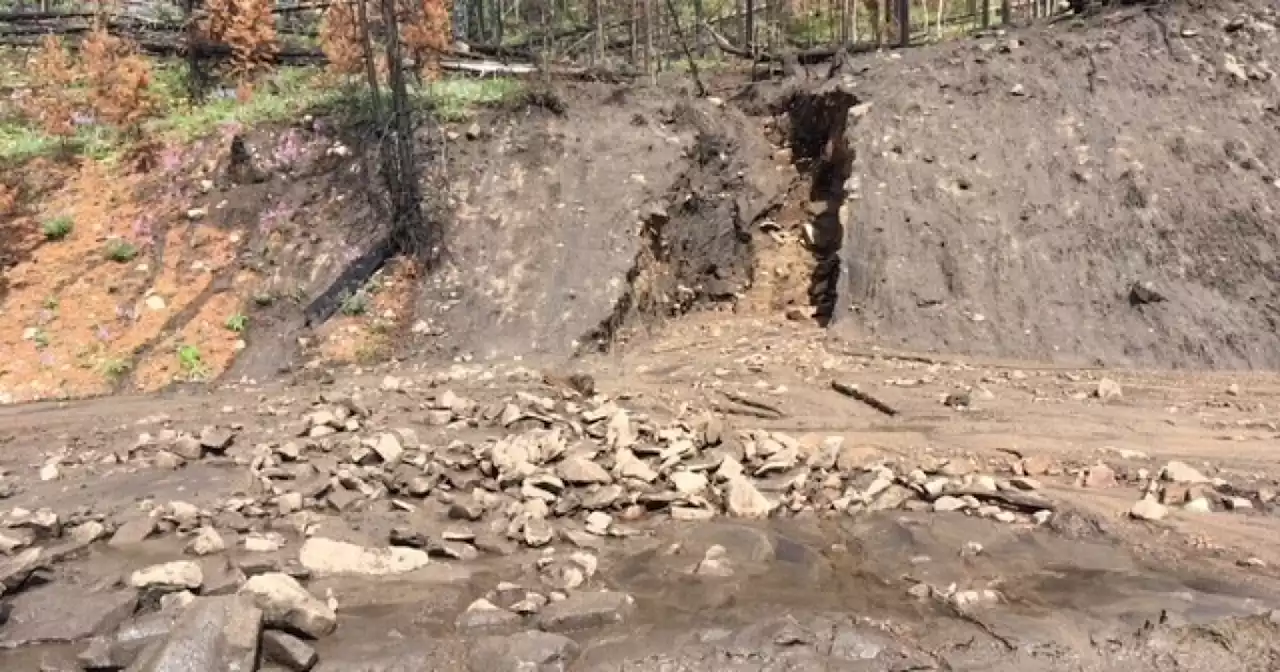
[121, 251]
[457, 99]
[19, 142]
[41, 339]
[237, 323]
[287, 94]
[374, 350]
[57, 228]
[353, 304]
[192, 362]
[51, 303]
[115, 368]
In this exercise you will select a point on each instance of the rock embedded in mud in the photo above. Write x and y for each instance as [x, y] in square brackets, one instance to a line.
[1099, 476]
[288, 651]
[1148, 509]
[1108, 390]
[715, 562]
[169, 576]
[187, 447]
[688, 482]
[485, 617]
[537, 532]
[62, 612]
[12, 541]
[1198, 505]
[523, 652]
[1038, 465]
[586, 610]
[286, 604]
[207, 541]
[214, 633]
[947, 503]
[19, 571]
[216, 439]
[744, 500]
[1238, 503]
[1180, 472]
[582, 471]
[133, 531]
[326, 556]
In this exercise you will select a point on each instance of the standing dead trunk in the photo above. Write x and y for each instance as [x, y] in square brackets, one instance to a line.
[409, 234]
[648, 40]
[904, 22]
[635, 32]
[597, 20]
[699, 15]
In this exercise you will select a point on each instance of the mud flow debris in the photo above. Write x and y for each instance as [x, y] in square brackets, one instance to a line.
[951, 358]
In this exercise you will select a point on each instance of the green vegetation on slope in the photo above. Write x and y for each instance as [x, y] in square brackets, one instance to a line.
[287, 94]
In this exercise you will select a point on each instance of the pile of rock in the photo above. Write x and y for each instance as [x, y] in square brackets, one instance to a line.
[598, 464]
[1180, 485]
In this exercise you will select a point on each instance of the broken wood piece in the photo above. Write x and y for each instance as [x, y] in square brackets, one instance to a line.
[739, 409]
[753, 403]
[1023, 501]
[853, 391]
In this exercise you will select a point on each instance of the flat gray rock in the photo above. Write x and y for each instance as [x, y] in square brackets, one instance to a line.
[214, 633]
[585, 610]
[65, 613]
[523, 652]
[287, 651]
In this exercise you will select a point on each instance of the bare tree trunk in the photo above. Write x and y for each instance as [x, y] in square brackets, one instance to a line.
[547, 9]
[370, 66]
[597, 21]
[197, 78]
[688, 51]
[699, 15]
[499, 19]
[853, 19]
[409, 233]
[635, 32]
[904, 23]
[648, 40]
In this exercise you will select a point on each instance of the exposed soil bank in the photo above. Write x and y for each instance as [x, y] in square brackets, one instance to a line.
[1017, 196]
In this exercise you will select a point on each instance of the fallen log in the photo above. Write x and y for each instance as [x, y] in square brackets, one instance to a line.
[852, 391]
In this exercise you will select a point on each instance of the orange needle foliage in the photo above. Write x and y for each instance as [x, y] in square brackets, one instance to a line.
[425, 29]
[50, 104]
[249, 28]
[118, 80]
[107, 79]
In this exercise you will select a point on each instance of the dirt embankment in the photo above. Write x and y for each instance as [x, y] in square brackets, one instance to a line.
[1100, 191]
[121, 277]
[562, 229]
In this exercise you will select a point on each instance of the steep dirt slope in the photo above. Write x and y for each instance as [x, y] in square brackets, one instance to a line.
[629, 205]
[1007, 193]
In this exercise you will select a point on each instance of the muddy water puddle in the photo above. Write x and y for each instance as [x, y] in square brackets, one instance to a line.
[870, 567]
[699, 584]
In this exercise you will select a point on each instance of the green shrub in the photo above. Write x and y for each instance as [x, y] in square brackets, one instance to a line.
[121, 251]
[57, 228]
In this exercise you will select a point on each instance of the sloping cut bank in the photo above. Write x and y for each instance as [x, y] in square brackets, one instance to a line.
[1097, 193]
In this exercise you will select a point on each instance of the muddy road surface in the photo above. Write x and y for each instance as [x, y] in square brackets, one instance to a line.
[707, 501]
